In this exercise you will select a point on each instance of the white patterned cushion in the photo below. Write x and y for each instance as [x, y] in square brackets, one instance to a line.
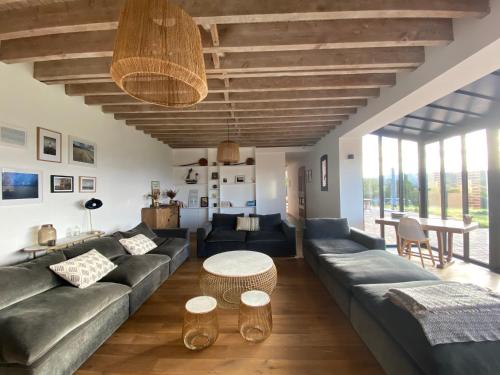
[138, 245]
[250, 224]
[84, 270]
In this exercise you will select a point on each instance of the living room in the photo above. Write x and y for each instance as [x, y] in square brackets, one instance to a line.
[261, 188]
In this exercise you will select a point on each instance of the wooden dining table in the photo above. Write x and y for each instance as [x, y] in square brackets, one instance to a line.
[445, 229]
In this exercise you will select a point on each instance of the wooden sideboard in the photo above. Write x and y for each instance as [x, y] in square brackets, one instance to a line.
[161, 217]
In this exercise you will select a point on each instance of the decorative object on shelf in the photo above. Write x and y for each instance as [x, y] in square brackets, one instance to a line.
[228, 151]
[248, 161]
[214, 195]
[215, 186]
[255, 321]
[240, 179]
[13, 136]
[48, 145]
[92, 204]
[201, 162]
[171, 193]
[193, 201]
[251, 203]
[309, 176]
[215, 175]
[215, 204]
[47, 235]
[201, 326]
[467, 219]
[214, 163]
[324, 172]
[87, 184]
[20, 186]
[204, 202]
[82, 152]
[224, 180]
[61, 184]
[155, 198]
[158, 55]
[155, 187]
[226, 204]
[189, 180]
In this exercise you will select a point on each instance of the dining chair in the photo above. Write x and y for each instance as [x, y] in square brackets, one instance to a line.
[410, 233]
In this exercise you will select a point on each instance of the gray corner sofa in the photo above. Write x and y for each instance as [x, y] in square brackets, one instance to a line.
[357, 271]
[48, 327]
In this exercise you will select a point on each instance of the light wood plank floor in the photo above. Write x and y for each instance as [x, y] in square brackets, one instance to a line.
[311, 336]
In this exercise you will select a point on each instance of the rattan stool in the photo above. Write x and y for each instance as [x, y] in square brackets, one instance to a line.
[201, 326]
[255, 319]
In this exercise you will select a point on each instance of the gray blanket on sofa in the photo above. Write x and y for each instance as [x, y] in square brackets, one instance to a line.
[452, 312]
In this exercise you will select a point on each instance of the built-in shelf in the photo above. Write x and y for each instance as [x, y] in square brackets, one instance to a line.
[194, 208]
[190, 184]
[231, 184]
[190, 166]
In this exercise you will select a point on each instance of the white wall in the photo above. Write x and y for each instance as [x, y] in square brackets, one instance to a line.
[270, 177]
[127, 162]
[351, 181]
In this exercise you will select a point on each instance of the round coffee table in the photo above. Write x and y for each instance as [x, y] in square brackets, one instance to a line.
[226, 276]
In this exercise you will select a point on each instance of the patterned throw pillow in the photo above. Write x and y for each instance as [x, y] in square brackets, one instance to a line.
[138, 245]
[250, 224]
[84, 270]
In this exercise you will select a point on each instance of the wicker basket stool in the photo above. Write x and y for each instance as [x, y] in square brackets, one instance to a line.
[225, 276]
[255, 320]
[201, 327]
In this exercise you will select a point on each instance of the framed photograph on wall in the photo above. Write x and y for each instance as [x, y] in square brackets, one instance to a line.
[48, 145]
[204, 202]
[87, 184]
[324, 172]
[61, 184]
[20, 186]
[12, 136]
[239, 179]
[82, 152]
[155, 187]
[215, 175]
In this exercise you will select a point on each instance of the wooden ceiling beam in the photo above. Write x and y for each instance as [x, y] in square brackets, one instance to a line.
[240, 121]
[59, 17]
[154, 129]
[307, 35]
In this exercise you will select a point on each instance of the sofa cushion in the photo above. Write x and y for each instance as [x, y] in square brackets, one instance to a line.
[27, 279]
[32, 327]
[331, 246]
[270, 222]
[107, 246]
[372, 267]
[224, 235]
[250, 224]
[141, 228]
[265, 236]
[171, 247]
[327, 228]
[138, 245]
[132, 269]
[444, 359]
[225, 221]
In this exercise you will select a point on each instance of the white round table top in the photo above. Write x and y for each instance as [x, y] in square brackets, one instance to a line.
[255, 298]
[240, 263]
[201, 304]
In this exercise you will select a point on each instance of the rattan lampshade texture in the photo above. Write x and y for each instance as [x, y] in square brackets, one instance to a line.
[228, 152]
[158, 56]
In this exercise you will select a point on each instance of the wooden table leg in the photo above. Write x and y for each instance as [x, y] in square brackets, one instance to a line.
[398, 244]
[440, 239]
[449, 259]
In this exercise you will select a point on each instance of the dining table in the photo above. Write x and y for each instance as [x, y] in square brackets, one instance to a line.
[444, 228]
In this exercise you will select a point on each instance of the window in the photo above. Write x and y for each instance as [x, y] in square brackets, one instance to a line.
[433, 171]
[409, 163]
[390, 170]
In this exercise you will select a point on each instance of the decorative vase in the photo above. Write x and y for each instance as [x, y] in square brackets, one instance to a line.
[47, 235]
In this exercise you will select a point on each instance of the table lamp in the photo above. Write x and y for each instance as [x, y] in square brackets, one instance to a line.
[92, 204]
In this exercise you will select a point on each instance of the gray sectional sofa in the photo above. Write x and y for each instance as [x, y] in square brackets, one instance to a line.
[357, 271]
[48, 327]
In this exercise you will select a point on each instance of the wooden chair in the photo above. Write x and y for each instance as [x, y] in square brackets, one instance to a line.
[410, 233]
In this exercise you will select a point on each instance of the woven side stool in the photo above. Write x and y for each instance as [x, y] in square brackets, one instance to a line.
[255, 318]
[201, 327]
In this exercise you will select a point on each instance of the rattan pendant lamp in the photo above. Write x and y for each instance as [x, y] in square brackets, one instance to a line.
[158, 56]
[228, 151]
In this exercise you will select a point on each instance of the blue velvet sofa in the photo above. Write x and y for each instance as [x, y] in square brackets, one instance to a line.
[48, 327]
[357, 272]
[275, 238]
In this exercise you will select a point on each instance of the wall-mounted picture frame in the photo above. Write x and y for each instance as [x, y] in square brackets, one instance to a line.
[82, 152]
[324, 172]
[19, 186]
[87, 184]
[204, 202]
[215, 175]
[240, 179]
[49, 145]
[12, 136]
[61, 184]
[155, 187]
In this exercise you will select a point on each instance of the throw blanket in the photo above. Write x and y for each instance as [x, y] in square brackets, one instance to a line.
[452, 312]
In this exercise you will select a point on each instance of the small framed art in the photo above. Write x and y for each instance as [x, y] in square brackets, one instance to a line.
[204, 202]
[87, 184]
[324, 172]
[61, 184]
[215, 175]
[155, 187]
[239, 179]
[48, 145]
[12, 136]
[82, 152]
[20, 186]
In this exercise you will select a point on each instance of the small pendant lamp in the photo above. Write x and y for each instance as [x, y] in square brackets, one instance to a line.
[158, 56]
[228, 151]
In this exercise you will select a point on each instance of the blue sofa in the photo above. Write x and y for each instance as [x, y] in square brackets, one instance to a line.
[357, 272]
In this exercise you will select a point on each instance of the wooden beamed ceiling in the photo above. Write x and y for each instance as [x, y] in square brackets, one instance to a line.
[280, 73]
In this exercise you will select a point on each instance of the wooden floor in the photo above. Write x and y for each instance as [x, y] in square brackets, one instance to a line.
[310, 335]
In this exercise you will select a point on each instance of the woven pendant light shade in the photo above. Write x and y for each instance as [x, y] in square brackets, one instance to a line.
[158, 56]
[228, 152]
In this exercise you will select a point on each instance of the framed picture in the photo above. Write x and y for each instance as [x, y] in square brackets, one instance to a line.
[155, 187]
[87, 184]
[324, 172]
[82, 152]
[20, 186]
[61, 184]
[13, 137]
[204, 202]
[48, 145]
[239, 179]
[215, 175]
